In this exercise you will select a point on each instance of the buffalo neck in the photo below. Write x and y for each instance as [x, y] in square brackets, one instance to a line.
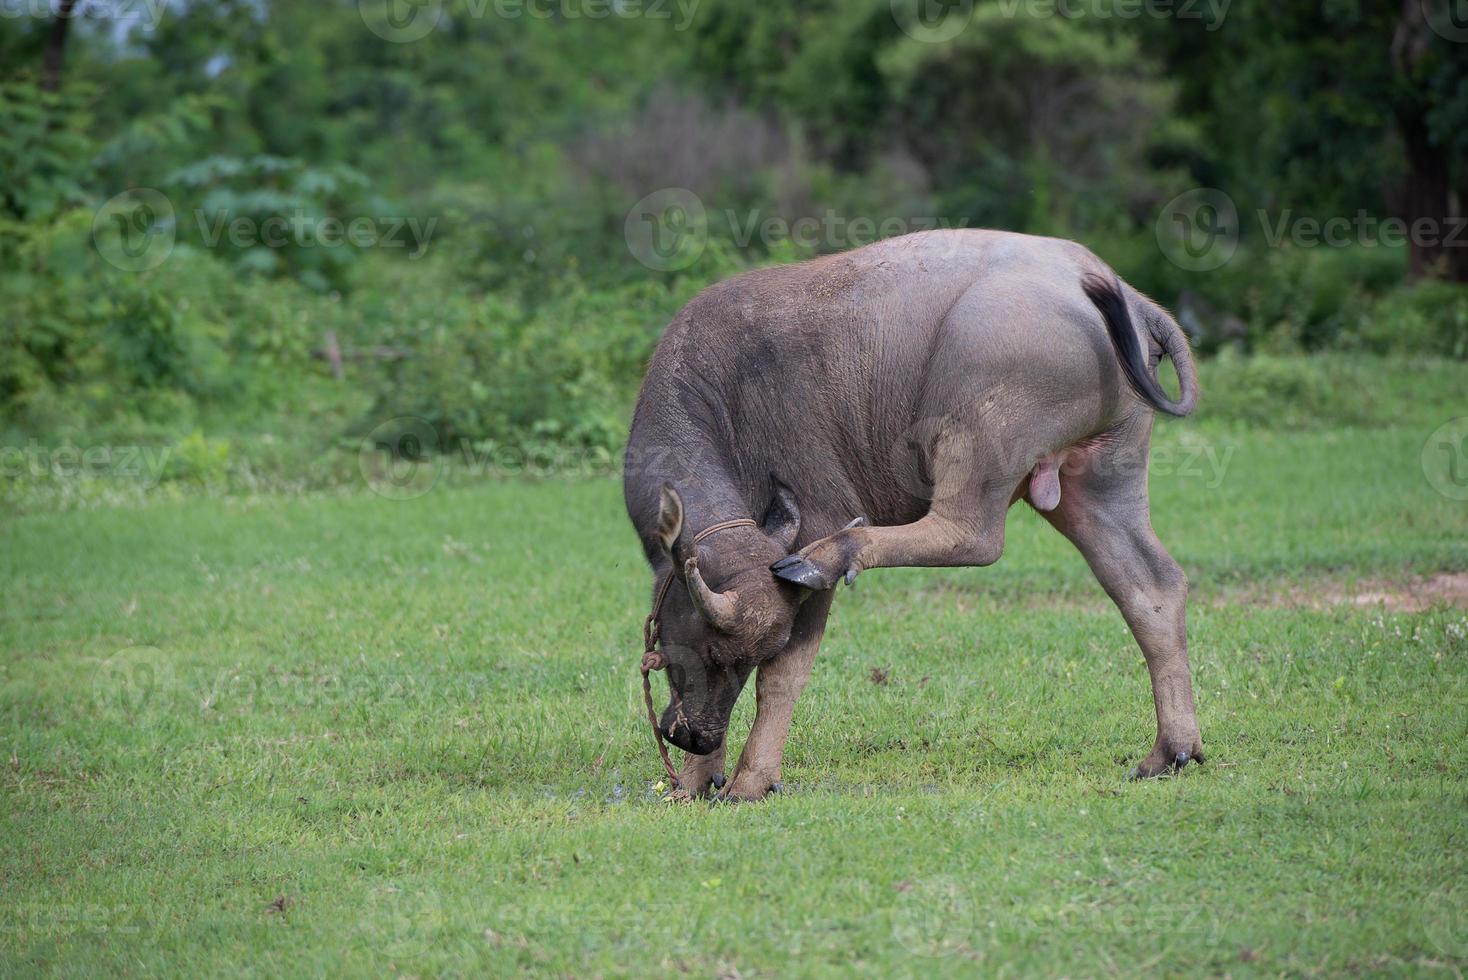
[681, 456]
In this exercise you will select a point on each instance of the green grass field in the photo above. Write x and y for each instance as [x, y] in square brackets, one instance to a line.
[341, 733]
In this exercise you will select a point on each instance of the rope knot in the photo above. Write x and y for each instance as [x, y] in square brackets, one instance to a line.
[652, 657]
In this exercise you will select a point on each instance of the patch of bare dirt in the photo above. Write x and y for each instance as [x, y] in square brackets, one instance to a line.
[1413, 595]
[1416, 594]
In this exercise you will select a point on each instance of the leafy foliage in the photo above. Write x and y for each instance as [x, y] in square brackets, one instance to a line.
[277, 216]
[508, 149]
[43, 152]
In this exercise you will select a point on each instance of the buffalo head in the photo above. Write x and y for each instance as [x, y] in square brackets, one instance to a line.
[724, 615]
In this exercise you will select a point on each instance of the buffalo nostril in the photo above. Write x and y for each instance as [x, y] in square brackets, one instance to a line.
[704, 743]
[682, 737]
[691, 740]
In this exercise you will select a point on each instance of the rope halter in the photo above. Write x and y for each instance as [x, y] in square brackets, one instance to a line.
[652, 657]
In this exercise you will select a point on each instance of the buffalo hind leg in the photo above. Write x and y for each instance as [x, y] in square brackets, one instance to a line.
[778, 683]
[1108, 521]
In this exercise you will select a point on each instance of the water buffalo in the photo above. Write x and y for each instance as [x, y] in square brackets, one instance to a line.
[921, 385]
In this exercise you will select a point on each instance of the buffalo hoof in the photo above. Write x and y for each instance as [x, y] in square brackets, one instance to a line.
[821, 565]
[748, 788]
[1160, 765]
[701, 789]
[729, 799]
[799, 570]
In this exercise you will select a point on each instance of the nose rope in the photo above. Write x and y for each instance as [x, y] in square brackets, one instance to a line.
[652, 657]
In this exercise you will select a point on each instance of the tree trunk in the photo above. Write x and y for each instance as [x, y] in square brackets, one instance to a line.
[1438, 242]
[1436, 229]
[56, 46]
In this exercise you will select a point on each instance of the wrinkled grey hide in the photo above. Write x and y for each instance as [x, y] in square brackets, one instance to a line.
[924, 383]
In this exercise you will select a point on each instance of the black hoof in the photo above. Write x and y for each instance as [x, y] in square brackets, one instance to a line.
[799, 570]
[777, 787]
[1181, 760]
[719, 780]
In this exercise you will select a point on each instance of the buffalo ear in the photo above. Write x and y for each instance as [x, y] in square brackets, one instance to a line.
[670, 517]
[782, 517]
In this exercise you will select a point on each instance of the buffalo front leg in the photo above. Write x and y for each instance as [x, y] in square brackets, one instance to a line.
[778, 683]
[698, 773]
[1115, 535]
[960, 535]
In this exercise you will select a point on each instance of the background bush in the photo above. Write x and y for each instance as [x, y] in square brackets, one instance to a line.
[517, 316]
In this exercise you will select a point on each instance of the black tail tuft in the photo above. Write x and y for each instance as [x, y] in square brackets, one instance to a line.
[1107, 295]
